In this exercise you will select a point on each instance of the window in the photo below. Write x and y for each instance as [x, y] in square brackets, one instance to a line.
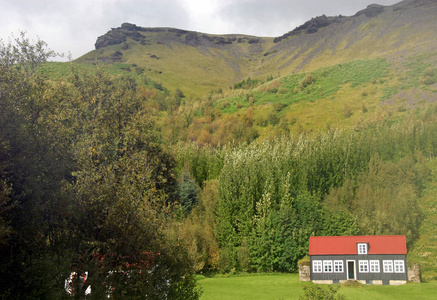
[364, 266]
[327, 266]
[388, 266]
[362, 248]
[317, 266]
[399, 266]
[338, 266]
[374, 266]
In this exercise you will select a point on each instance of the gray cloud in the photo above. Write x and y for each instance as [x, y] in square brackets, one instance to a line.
[276, 17]
[73, 26]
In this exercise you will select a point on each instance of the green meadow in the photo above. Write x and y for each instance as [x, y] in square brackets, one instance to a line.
[287, 287]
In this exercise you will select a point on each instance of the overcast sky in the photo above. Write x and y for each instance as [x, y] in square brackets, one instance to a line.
[72, 26]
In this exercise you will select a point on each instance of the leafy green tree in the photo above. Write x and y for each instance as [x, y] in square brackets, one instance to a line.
[188, 191]
[124, 192]
[386, 200]
[86, 184]
[33, 166]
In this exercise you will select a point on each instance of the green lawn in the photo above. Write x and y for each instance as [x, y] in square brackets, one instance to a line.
[287, 286]
[277, 286]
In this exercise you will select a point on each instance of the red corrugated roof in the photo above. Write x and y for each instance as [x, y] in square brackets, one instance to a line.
[338, 245]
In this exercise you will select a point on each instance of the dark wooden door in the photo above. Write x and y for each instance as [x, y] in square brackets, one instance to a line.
[351, 270]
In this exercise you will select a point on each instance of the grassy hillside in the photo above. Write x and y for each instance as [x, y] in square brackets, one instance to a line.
[347, 95]
[197, 62]
[337, 96]
[169, 56]
[331, 72]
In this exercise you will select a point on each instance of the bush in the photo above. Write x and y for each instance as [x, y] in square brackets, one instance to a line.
[315, 292]
[308, 80]
[226, 260]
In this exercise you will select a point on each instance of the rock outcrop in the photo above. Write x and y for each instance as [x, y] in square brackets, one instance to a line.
[371, 11]
[119, 35]
[311, 26]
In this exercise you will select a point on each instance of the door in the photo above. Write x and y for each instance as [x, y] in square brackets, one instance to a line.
[350, 269]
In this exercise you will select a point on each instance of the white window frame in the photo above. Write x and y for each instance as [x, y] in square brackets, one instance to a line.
[363, 266]
[374, 266]
[388, 266]
[362, 248]
[327, 266]
[338, 266]
[317, 266]
[399, 266]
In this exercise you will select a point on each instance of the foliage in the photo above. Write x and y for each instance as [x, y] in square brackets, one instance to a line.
[197, 231]
[24, 56]
[424, 250]
[34, 163]
[5, 229]
[86, 186]
[314, 292]
[188, 191]
[274, 195]
[246, 84]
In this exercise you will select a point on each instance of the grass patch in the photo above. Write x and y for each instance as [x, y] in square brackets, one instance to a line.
[331, 96]
[62, 70]
[272, 286]
[311, 87]
[287, 286]
[420, 71]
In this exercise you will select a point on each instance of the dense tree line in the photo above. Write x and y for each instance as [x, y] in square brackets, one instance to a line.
[273, 195]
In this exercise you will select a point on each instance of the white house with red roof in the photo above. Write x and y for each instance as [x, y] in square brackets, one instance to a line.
[366, 259]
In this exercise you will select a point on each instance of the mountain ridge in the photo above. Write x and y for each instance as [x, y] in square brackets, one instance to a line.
[198, 62]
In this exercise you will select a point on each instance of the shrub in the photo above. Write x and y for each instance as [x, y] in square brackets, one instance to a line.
[139, 70]
[428, 77]
[226, 260]
[273, 118]
[308, 80]
[117, 54]
[315, 292]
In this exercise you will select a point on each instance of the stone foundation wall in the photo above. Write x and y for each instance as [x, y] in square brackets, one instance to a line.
[414, 273]
[323, 281]
[397, 282]
[304, 271]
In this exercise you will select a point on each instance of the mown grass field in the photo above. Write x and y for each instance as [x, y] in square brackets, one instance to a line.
[287, 286]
